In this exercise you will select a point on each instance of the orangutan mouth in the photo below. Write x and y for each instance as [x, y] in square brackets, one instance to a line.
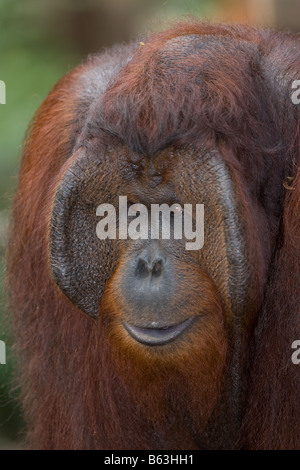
[157, 336]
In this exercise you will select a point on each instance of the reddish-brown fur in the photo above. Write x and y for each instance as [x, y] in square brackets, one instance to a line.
[67, 364]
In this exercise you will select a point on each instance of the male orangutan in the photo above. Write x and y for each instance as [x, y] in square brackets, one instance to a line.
[140, 343]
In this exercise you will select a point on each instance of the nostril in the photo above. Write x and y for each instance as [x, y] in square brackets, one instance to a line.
[157, 269]
[142, 269]
[149, 268]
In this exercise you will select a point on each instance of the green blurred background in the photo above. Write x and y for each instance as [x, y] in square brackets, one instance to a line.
[41, 40]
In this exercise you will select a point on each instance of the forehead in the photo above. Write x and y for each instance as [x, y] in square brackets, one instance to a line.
[165, 168]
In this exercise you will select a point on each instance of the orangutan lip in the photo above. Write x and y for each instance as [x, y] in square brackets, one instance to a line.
[157, 336]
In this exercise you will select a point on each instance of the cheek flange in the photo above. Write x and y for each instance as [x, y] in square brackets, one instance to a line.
[80, 263]
[232, 229]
